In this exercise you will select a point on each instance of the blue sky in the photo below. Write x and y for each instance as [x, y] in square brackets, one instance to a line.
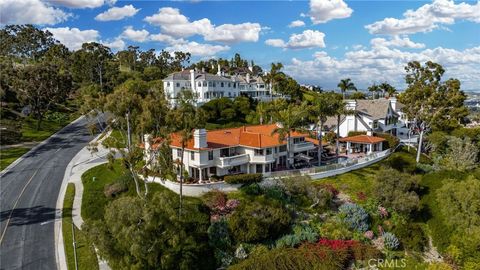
[369, 41]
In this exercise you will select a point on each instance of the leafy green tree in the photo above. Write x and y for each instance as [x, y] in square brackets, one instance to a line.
[288, 120]
[460, 154]
[25, 41]
[397, 190]
[431, 103]
[41, 86]
[274, 76]
[387, 88]
[346, 85]
[139, 235]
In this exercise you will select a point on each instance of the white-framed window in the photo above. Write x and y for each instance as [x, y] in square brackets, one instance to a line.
[199, 84]
[258, 152]
[229, 85]
[210, 155]
[192, 155]
[178, 84]
[269, 151]
[179, 152]
[221, 84]
[168, 84]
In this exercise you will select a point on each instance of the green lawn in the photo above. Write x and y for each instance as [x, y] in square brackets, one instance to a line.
[8, 156]
[115, 140]
[47, 128]
[86, 256]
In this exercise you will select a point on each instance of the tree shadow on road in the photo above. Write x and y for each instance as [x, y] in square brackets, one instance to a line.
[32, 215]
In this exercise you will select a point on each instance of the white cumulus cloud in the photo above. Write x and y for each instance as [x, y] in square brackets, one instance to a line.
[322, 11]
[73, 38]
[82, 3]
[297, 23]
[135, 35]
[173, 23]
[307, 39]
[115, 45]
[117, 13]
[197, 49]
[30, 12]
[427, 18]
[396, 42]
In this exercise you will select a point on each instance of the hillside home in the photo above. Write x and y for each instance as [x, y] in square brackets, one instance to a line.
[207, 86]
[378, 115]
[248, 149]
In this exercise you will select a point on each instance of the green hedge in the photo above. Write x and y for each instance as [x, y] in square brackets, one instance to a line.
[244, 178]
[391, 142]
[355, 133]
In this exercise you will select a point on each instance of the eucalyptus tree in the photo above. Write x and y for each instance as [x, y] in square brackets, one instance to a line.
[431, 103]
[288, 120]
[324, 105]
[346, 85]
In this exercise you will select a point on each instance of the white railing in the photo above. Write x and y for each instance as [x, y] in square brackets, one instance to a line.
[262, 159]
[334, 169]
[298, 147]
[233, 160]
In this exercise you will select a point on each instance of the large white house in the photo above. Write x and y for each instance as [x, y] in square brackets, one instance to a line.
[378, 115]
[207, 86]
[247, 149]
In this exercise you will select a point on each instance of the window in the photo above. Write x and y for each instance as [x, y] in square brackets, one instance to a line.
[192, 155]
[221, 84]
[168, 84]
[210, 155]
[276, 150]
[229, 94]
[269, 151]
[267, 167]
[375, 124]
[214, 84]
[199, 84]
[259, 168]
[229, 85]
[204, 83]
[282, 148]
[213, 170]
[209, 83]
[178, 84]
[234, 85]
[258, 152]
[298, 140]
[179, 152]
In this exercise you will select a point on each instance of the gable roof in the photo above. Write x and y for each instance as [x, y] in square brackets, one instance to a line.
[375, 109]
[259, 136]
[185, 75]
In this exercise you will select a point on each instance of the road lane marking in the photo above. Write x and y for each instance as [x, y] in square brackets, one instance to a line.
[15, 205]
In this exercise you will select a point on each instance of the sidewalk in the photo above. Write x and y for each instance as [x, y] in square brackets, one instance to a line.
[24, 144]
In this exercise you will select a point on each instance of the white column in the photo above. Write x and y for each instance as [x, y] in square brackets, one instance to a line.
[200, 176]
[370, 148]
[248, 168]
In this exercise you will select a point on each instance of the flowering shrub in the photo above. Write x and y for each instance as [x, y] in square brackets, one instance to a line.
[232, 204]
[337, 244]
[361, 196]
[382, 211]
[218, 204]
[391, 241]
[355, 216]
[369, 235]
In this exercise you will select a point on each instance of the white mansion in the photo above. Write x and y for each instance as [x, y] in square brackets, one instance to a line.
[208, 86]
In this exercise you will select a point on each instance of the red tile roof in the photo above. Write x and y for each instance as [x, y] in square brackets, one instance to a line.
[362, 139]
[251, 136]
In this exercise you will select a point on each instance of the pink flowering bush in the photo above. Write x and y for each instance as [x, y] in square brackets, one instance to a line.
[382, 211]
[369, 234]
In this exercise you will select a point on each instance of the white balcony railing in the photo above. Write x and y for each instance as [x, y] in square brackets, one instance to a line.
[224, 162]
[304, 146]
[262, 159]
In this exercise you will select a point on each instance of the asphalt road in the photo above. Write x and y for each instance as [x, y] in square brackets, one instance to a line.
[28, 197]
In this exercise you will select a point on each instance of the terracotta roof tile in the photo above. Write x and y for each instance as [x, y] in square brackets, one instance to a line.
[362, 139]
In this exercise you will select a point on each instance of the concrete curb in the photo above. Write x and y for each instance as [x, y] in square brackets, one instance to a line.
[18, 160]
[59, 243]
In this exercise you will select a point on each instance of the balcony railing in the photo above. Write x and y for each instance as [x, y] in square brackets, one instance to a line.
[304, 146]
[224, 162]
[262, 159]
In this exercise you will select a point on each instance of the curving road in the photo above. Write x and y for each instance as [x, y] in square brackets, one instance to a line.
[28, 197]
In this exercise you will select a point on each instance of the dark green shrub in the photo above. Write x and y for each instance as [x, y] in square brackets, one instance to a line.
[355, 133]
[218, 236]
[253, 189]
[411, 236]
[244, 179]
[258, 221]
[402, 162]
[114, 189]
[391, 142]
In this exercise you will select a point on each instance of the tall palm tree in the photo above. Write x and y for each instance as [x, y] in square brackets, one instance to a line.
[346, 85]
[184, 119]
[340, 109]
[262, 110]
[321, 108]
[374, 89]
[273, 76]
[288, 120]
[387, 88]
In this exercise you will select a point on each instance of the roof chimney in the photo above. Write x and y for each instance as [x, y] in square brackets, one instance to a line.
[218, 70]
[192, 79]
[200, 138]
[393, 103]
[203, 69]
[248, 78]
[250, 68]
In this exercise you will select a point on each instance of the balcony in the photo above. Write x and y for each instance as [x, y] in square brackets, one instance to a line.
[303, 146]
[225, 162]
[262, 159]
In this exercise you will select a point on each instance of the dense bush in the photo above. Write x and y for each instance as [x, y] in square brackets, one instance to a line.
[411, 236]
[258, 221]
[334, 229]
[402, 162]
[300, 234]
[244, 179]
[219, 240]
[391, 141]
[355, 133]
[114, 189]
[390, 241]
[306, 257]
[355, 216]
